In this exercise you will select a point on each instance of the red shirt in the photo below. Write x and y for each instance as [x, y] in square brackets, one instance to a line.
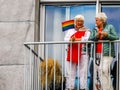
[99, 45]
[73, 49]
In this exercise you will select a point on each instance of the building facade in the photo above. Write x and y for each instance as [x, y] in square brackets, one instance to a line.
[40, 21]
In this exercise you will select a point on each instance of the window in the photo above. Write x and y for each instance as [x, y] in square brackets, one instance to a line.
[55, 15]
[113, 13]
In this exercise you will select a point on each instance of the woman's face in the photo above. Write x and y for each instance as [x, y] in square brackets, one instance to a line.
[79, 23]
[99, 22]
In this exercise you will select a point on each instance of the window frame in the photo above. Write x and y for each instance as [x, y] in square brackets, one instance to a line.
[39, 29]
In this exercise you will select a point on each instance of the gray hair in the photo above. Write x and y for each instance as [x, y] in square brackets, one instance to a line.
[102, 16]
[78, 16]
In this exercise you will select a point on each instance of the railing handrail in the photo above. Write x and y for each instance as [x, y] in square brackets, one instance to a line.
[67, 42]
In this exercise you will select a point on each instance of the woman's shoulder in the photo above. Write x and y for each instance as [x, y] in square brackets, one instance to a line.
[109, 25]
[87, 30]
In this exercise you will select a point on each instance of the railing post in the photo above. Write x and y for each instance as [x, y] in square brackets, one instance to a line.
[36, 39]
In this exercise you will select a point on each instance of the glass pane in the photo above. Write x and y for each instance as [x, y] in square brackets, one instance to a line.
[53, 30]
[113, 13]
[88, 11]
[54, 15]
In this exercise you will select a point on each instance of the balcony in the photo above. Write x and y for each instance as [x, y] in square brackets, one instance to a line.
[45, 65]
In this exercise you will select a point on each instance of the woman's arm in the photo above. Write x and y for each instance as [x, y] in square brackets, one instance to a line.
[112, 35]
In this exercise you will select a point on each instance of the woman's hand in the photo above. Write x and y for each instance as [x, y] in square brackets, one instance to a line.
[104, 34]
[72, 38]
[98, 35]
[75, 39]
[101, 35]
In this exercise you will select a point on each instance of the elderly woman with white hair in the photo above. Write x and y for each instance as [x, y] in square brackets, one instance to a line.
[104, 51]
[77, 58]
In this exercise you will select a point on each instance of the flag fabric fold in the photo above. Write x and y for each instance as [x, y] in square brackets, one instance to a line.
[66, 25]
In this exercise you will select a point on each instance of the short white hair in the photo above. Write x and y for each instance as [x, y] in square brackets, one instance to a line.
[78, 16]
[102, 16]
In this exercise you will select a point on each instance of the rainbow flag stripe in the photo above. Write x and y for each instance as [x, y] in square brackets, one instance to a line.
[67, 25]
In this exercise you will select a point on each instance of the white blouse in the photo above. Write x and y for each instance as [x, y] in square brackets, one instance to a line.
[72, 31]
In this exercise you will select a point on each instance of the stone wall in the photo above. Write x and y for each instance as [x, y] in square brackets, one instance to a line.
[16, 27]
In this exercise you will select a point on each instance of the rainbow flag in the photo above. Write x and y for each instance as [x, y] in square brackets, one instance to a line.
[66, 25]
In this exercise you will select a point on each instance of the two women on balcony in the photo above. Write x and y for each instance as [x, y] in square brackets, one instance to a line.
[104, 51]
[77, 58]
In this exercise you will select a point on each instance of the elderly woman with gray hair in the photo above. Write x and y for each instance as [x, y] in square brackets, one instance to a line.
[77, 58]
[104, 51]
